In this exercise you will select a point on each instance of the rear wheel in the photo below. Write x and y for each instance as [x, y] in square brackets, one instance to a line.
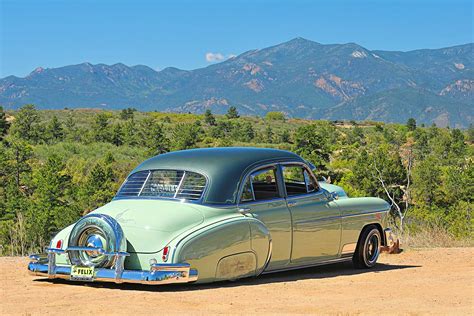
[368, 248]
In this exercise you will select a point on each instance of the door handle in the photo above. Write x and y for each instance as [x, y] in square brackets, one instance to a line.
[244, 210]
[291, 203]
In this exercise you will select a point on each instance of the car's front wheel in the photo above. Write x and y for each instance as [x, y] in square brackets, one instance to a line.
[368, 248]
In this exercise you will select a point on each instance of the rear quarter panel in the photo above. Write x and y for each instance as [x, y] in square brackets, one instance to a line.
[357, 213]
[226, 250]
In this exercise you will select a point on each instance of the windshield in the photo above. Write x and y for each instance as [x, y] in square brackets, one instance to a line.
[175, 184]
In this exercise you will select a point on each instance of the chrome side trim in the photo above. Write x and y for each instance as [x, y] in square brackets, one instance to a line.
[322, 263]
[364, 213]
[269, 256]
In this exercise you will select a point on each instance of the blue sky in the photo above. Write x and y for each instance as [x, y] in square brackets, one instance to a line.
[180, 33]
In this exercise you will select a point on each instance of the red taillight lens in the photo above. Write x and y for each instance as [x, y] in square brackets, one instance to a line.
[59, 244]
[166, 251]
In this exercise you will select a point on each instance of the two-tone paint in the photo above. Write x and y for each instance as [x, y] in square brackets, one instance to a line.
[224, 239]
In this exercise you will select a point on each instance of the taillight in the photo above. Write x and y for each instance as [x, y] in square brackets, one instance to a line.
[166, 251]
[59, 244]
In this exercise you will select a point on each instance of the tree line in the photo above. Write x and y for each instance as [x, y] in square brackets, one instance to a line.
[56, 166]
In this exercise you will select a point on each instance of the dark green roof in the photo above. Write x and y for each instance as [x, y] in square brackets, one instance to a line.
[224, 167]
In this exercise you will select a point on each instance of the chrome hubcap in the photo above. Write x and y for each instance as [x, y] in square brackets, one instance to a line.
[92, 237]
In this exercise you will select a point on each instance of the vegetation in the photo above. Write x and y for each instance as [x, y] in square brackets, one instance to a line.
[56, 166]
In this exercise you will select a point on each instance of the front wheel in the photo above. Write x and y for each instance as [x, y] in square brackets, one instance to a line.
[368, 248]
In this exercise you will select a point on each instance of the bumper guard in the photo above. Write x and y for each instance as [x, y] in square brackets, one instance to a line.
[159, 273]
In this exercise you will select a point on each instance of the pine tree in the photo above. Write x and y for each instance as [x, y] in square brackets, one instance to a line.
[116, 137]
[55, 130]
[101, 127]
[411, 124]
[269, 134]
[4, 124]
[52, 210]
[232, 113]
[26, 123]
[209, 118]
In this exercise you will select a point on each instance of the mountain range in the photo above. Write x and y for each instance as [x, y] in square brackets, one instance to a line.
[301, 78]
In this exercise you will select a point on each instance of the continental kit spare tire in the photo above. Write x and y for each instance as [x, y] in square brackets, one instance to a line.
[100, 231]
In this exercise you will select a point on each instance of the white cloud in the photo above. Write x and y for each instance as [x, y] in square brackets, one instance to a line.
[213, 57]
[216, 57]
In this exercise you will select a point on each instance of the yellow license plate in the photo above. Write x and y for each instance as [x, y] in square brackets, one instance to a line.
[82, 273]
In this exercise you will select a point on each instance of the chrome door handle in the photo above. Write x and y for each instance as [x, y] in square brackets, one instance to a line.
[291, 203]
[244, 210]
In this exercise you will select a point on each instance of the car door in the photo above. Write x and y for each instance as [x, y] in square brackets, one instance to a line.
[316, 218]
[262, 198]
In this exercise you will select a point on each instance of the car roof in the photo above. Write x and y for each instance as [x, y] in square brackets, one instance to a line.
[224, 167]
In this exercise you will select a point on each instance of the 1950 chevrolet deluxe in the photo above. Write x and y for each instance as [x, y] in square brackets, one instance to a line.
[217, 214]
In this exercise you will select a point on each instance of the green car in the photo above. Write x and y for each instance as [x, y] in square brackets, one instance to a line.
[206, 215]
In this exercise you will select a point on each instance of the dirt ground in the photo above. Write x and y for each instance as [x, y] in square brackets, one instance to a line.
[433, 281]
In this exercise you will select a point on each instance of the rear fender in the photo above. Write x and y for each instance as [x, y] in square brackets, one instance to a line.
[226, 250]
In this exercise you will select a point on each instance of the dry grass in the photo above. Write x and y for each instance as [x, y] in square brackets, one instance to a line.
[433, 237]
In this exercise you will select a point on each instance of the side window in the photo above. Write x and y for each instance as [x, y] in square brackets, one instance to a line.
[297, 180]
[261, 185]
[311, 185]
[247, 193]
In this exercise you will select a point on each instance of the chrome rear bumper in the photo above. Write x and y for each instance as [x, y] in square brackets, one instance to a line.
[159, 273]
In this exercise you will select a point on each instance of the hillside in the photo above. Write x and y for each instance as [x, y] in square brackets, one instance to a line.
[300, 77]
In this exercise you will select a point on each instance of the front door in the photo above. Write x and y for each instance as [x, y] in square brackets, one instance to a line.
[316, 219]
[263, 198]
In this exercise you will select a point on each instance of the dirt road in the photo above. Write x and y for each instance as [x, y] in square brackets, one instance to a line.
[434, 281]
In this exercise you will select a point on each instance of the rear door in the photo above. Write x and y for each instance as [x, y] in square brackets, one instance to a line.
[316, 218]
[262, 197]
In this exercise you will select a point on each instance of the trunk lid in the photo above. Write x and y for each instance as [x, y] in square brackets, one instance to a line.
[149, 225]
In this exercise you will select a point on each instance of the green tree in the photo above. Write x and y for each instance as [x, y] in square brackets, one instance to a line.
[127, 114]
[52, 209]
[411, 124]
[130, 133]
[269, 134]
[116, 136]
[275, 116]
[209, 118]
[313, 141]
[25, 124]
[70, 129]
[99, 186]
[247, 132]
[232, 113]
[101, 128]
[470, 133]
[185, 136]
[427, 179]
[285, 137]
[153, 137]
[4, 124]
[54, 131]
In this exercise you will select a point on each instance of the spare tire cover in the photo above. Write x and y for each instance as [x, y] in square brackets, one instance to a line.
[100, 231]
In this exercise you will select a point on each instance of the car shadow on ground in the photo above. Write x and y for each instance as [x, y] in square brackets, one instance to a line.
[319, 272]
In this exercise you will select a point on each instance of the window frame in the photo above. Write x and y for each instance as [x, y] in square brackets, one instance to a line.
[196, 201]
[304, 168]
[274, 166]
[317, 188]
[280, 182]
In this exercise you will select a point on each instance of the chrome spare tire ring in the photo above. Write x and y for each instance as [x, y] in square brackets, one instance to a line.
[97, 231]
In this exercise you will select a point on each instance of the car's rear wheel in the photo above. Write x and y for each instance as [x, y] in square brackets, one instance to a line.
[368, 248]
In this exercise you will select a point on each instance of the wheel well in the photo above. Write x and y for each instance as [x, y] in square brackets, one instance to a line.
[379, 227]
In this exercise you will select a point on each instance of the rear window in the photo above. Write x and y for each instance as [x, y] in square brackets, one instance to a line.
[175, 184]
